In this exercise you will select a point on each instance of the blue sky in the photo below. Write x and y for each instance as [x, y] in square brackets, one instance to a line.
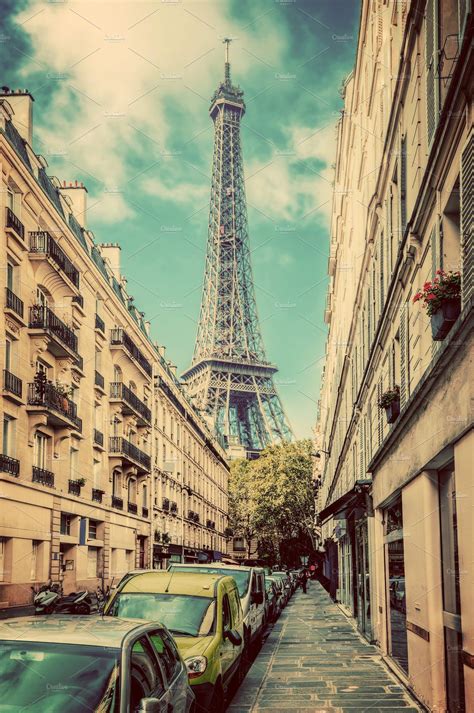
[122, 94]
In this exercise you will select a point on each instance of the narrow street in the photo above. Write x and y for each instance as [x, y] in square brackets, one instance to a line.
[314, 660]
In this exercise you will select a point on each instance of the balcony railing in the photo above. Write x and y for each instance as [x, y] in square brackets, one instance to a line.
[118, 390]
[166, 504]
[132, 507]
[99, 323]
[144, 511]
[15, 223]
[99, 380]
[42, 476]
[12, 383]
[74, 488]
[120, 337]
[50, 398]
[13, 302]
[210, 524]
[97, 495]
[174, 508]
[120, 445]
[42, 317]
[42, 242]
[9, 465]
[117, 502]
[98, 438]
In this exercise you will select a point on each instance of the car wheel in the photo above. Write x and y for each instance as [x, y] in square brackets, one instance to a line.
[82, 609]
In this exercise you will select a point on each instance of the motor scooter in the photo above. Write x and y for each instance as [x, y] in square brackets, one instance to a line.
[46, 598]
[77, 603]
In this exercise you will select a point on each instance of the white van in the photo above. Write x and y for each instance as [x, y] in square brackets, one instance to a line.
[251, 585]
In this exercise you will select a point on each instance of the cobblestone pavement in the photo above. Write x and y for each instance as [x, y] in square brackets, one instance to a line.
[314, 660]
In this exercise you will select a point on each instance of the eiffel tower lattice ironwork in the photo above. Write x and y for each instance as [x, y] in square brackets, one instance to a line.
[230, 378]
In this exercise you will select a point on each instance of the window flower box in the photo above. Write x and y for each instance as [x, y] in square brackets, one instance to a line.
[442, 300]
[390, 401]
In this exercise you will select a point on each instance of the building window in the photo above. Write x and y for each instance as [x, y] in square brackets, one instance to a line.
[40, 450]
[4, 557]
[92, 562]
[93, 527]
[8, 435]
[239, 544]
[73, 453]
[41, 297]
[65, 524]
[35, 551]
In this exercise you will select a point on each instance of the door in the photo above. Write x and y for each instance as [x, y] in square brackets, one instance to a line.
[227, 648]
[363, 579]
[176, 674]
[451, 593]
[395, 583]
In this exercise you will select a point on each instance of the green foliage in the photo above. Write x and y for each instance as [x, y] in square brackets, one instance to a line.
[272, 499]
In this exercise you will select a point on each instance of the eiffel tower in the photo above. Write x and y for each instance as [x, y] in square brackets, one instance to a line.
[230, 379]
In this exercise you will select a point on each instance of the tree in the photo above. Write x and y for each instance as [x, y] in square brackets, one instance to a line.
[272, 499]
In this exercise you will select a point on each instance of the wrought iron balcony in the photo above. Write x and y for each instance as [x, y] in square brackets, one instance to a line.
[98, 438]
[144, 511]
[166, 504]
[132, 507]
[196, 517]
[117, 502]
[99, 323]
[174, 508]
[13, 302]
[42, 476]
[42, 243]
[210, 524]
[74, 487]
[97, 495]
[191, 515]
[131, 402]
[129, 452]
[99, 380]
[119, 337]
[78, 300]
[12, 383]
[61, 411]
[15, 224]
[63, 340]
[9, 465]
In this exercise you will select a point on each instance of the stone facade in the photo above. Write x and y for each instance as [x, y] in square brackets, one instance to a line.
[89, 403]
[396, 492]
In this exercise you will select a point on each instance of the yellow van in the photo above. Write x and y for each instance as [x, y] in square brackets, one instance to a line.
[204, 615]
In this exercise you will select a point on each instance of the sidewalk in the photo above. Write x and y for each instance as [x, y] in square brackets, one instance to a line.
[315, 661]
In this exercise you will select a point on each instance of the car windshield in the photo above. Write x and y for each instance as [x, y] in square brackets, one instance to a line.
[241, 576]
[36, 677]
[183, 614]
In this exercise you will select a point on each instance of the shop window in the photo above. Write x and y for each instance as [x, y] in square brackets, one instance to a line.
[395, 578]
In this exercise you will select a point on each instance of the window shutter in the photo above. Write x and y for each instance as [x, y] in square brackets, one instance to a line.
[462, 11]
[403, 186]
[467, 219]
[431, 59]
[404, 356]
[381, 254]
[379, 414]
[361, 451]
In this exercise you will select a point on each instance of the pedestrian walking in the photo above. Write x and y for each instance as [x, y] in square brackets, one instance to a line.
[304, 581]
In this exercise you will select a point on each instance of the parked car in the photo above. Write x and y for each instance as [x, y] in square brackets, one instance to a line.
[90, 663]
[280, 594]
[251, 585]
[271, 601]
[285, 579]
[203, 613]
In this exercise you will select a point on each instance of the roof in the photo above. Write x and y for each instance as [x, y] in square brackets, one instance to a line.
[83, 630]
[213, 565]
[201, 585]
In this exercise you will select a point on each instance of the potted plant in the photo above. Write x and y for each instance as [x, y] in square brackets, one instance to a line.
[442, 300]
[390, 401]
[81, 482]
[64, 394]
[165, 538]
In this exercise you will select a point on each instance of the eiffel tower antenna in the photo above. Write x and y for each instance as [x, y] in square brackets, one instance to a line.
[230, 378]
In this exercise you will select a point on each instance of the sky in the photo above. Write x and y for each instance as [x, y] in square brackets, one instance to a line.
[122, 92]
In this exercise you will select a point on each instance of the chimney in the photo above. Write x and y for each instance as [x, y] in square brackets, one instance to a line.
[77, 194]
[21, 102]
[111, 253]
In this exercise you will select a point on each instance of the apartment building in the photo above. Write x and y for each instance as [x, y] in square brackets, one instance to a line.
[396, 490]
[80, 405]
[190, 480]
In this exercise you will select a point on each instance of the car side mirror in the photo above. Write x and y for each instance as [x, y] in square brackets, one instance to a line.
[150, 705]
[257, 597]
[233, 636]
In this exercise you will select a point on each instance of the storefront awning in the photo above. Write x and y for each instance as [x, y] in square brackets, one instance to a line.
[346, 501]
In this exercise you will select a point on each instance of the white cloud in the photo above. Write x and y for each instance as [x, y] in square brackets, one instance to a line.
[113, 67]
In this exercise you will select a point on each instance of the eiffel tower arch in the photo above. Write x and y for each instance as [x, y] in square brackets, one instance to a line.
[230, 379]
